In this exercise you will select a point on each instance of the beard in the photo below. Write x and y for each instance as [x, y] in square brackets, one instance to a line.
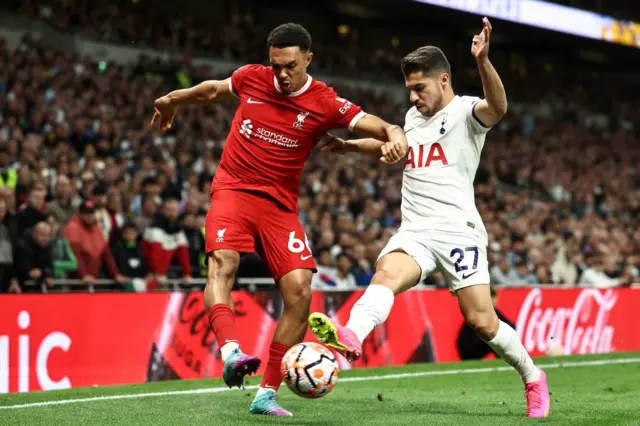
[432, 108]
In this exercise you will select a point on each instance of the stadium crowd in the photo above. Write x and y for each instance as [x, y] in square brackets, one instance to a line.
[86, 185]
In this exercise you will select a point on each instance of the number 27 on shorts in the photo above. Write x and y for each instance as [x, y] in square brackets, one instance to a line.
[458, 254]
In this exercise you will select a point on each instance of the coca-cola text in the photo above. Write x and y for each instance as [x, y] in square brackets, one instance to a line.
[578, 329]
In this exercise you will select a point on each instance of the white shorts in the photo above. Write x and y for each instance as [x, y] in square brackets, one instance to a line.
[461, 257]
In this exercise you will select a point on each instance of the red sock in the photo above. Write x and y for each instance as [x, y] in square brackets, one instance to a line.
[222, 323]
[272, 376]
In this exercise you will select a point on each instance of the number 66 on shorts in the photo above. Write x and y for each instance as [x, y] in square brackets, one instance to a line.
[244, 221]
[461, 257]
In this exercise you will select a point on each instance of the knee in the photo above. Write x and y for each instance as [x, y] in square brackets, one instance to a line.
[485, 324]
[222, 266]
[397, 271]
[297, 297]
[385, 276]
[388, 277]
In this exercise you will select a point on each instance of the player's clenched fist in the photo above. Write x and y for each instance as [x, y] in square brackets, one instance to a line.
[165, 110]
[394, 151]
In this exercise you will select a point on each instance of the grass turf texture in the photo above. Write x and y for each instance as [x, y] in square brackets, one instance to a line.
[444, 394]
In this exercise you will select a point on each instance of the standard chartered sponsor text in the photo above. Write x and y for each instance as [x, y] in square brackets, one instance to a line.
[275, 138]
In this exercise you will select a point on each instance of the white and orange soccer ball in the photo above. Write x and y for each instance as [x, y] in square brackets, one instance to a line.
[309, 369]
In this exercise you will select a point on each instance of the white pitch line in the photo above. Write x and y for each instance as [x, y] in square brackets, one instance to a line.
[568, 364]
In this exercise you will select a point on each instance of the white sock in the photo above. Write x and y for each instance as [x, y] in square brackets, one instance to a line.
[227, 349]
[371, 310]
[262, 390]
[507, 344]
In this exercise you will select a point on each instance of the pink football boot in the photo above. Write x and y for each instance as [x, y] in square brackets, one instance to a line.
[537, 394]
[336, 336]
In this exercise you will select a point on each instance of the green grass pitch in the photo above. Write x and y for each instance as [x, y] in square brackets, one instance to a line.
[585, 390]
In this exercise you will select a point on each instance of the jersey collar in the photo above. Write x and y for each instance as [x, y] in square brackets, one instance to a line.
[297, 92]
[440, 113]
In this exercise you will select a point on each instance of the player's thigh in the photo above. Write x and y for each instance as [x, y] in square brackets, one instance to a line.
[404, 262]
[230, 222]
[283, 244]
[461, 257]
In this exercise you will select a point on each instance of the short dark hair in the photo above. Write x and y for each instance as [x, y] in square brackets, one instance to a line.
[290, 35]
[149, 180]
[170, 198]
[428, 60]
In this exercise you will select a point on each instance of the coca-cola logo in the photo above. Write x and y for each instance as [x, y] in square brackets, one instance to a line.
[193, 314]
[578, 329]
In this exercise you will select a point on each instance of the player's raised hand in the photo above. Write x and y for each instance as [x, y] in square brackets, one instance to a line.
[165, 111]
[480, 44]
[394, 151]
[335, 144]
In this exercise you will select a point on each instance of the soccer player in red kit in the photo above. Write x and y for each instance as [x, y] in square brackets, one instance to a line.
[283, 114]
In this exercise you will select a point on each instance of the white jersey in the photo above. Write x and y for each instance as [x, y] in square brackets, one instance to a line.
[444, 154]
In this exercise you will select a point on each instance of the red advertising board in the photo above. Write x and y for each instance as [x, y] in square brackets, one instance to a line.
[58, 341]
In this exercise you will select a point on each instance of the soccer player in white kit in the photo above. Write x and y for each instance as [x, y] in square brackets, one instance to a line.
[441, 228]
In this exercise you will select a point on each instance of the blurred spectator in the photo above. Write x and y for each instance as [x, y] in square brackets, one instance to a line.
[66, 202]
[543, 275]
[115, 209]
[128, 254]
[149, 208]
[501, 271]
[105, 221]
[362, 268]
[89, 246]
[346, 280]
[64, 261]
[521, 274]
[33, 211]
[333, 277]
[34, 260]
[8, 174]
[602, 272]
[563, 269]
[196, 244]
[164, 240]
[8, 246]
[173, 184]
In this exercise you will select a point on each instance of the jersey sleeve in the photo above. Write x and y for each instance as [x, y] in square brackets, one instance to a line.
[473, 122]
[341, 113]
[239, 77]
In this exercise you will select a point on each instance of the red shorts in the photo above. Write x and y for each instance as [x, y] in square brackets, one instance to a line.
[247, 221]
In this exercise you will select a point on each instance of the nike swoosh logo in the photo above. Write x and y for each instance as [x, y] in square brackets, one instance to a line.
[249, 101]
[464, 277]
[306, 257]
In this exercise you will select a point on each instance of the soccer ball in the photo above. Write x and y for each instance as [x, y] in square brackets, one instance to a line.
[309, 369]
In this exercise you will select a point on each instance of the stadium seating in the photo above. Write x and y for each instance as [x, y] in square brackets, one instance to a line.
[557, 187]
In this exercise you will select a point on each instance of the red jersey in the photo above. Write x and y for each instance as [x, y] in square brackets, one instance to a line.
[272, 134]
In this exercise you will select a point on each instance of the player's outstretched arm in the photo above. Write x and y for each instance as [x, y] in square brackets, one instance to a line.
[341, 146]
[389, 140]
[207, 92]
[494, 105]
